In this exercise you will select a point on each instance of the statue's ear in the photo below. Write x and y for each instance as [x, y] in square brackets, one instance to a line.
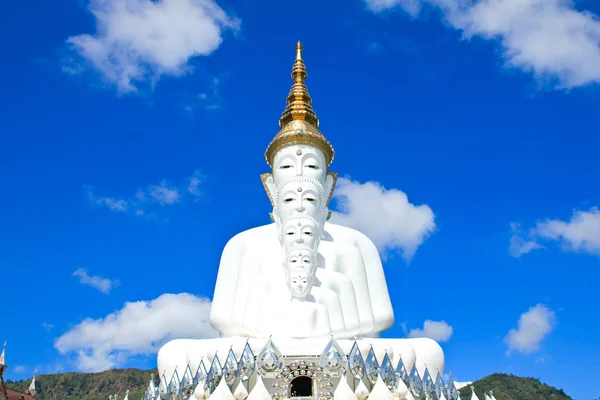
[269, 185]
[275, 218]
[330, 183]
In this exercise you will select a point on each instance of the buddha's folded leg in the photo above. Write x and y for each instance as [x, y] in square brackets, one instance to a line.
[173, 357]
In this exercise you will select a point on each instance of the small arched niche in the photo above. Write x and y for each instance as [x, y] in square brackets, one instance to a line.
[301, 386]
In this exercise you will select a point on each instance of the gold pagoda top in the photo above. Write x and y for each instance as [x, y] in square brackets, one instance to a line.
[299, 124]
[299, 102]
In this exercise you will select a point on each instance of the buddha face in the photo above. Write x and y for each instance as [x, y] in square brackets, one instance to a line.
[299, 160]
[299, 283]
[300, 197]
[301, 258]
[300, 232]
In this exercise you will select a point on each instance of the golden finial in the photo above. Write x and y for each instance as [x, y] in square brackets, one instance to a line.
[299, 102]
[299, 69]
[299, 123]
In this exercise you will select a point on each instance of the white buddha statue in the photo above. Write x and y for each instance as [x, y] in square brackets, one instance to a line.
[341, 265]
[261, 290]
[313, 312]
[303, 232]
[300, 150]
[301, 272]
[290, 305]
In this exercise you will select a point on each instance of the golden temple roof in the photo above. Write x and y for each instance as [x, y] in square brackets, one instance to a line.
[299, 123]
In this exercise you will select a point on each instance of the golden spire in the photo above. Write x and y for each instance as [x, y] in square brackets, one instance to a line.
[299, 123]
[299, 103]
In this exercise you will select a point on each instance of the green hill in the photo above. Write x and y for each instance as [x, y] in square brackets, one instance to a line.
[94, 386]
[98, 386]
[511, 387]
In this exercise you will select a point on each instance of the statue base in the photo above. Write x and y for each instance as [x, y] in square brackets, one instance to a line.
[308, 368]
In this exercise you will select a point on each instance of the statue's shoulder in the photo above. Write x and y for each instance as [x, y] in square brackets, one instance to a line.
[346, 235]
[252, 237]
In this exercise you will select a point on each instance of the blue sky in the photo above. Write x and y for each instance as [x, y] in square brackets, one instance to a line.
[132, 142]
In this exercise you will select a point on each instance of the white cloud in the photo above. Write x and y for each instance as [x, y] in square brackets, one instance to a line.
[385, 216]
[48, 327]
[551, 38]
[139, 328]
[410, 6]
[19, 369]
[581, 233]
[147, 198]
[439, 331]
[210, 99]
[164, 193]
[533, 326]
[113, 204]
[102, 284]
[543, 359]
[520, 245]
[140, 40]
[194, 182]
